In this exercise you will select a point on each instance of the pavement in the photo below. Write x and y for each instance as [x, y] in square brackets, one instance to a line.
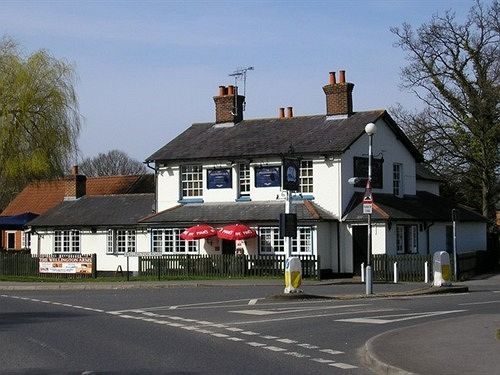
[445, 342]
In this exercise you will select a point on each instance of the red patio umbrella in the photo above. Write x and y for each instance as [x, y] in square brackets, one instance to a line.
[235, 232]
[198, 231]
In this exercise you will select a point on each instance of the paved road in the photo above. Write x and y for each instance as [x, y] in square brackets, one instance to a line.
[216, 330]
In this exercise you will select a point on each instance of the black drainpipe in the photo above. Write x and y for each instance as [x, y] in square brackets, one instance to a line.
[338, 247]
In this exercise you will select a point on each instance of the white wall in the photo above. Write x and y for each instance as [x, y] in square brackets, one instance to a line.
[393, 151]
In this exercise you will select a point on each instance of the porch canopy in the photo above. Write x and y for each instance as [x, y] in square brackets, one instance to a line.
[220, 214]
[422, 206]
[16, 221]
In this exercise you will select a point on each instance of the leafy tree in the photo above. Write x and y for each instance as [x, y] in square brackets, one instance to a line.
[455, 70]
[115, 162]
[39, 117]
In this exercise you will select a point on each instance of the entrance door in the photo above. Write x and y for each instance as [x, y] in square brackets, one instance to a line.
[359, 247]
[228, 247]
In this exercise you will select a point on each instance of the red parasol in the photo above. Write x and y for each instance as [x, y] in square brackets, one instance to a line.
[236, 232]
[197, 232]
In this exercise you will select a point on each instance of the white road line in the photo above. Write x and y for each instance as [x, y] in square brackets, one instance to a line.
[322, 360]
[193, 305]
[223, 335]
[308, 346]
[311, 316]
[275, 348]
[477, 303]
[298, 355]
[249, 333]
[496, 291]
[410, 316]
[253, 301]
[331, 351]
[256, 344]
[287, 341]
[344, 366]
[234, 329]
[235, 339]
[291, 310]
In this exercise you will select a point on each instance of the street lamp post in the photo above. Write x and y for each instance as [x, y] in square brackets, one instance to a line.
[370, 129]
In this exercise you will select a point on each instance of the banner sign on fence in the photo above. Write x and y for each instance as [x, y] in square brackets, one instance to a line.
[80, 265]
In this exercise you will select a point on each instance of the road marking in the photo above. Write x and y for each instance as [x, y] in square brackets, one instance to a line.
[234, 329]
[223, 335]
[268, 337]
[410, 316]
[496, 291]
[331, 351]
[287, 341]
[256, 344]
[275, 348]
[235, 339]
[169, 307]
[308, 346]
[343, 366]
[253, 301]
[311, 316]
[477, 303]
[292, 310]
[322, 360]
[298, 355]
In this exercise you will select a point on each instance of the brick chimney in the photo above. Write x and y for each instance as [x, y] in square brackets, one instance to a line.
[225, 109]
[75, 185]
[338, 96]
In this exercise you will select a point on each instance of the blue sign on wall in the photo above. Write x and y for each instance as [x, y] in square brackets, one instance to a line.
[267, 176]
[219, 179]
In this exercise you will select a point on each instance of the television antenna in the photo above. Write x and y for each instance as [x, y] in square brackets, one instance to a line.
[240, 74]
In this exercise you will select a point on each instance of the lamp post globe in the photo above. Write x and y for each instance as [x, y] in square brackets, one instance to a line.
[370, 128]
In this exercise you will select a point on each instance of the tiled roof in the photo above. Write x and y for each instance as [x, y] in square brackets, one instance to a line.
[273, 137]
[38, 197]
[423, 206]
[221, 213]
[98, 210]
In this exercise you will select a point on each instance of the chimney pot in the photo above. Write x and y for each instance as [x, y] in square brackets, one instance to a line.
[333, 81]
[74, 170]
[222, 90]
[289, 112]
[230, 90]
[281, 112]
[342, 76]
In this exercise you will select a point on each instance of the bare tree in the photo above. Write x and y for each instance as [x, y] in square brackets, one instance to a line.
[455, 69]
[115, 162]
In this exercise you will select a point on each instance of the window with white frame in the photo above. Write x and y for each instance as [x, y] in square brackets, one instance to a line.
[169, 241]
[397, 186]
[25, 240]
[121, 241]
[306, 176]
[271, 243]
[244, 179]
[191, 181]
[66, 241]
[406, 239]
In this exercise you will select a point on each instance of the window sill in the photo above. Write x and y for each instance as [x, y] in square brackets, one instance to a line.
[243, 199]
[190, 200]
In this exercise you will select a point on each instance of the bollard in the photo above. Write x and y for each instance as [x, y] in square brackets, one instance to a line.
[293, 275]
[363, 272]
[426, 272]
[369, 280]
[441, 268]
[395, 272]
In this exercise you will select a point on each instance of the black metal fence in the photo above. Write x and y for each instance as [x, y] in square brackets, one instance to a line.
[179, 265]
[24, 265]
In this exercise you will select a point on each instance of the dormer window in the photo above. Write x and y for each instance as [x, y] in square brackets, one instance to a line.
[191, 181]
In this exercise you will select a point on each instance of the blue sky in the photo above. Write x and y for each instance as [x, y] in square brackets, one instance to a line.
[148, 69]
